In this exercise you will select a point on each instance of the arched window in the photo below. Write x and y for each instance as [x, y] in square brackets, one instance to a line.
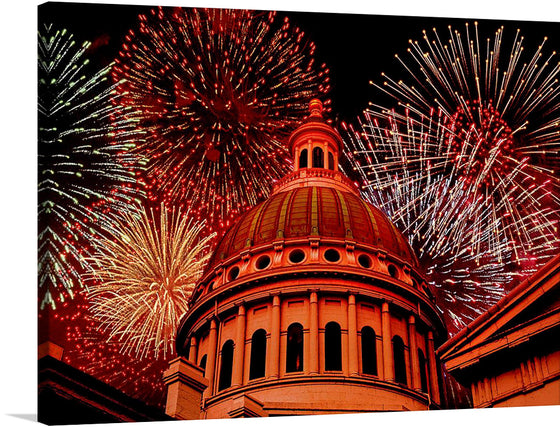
[318, 158]
[369, 353]
[303, 158]
[294, 353]
[423, 376]
[258, 354]
[399, 360]
[226, 366]
[331, 161]
[333, 349]
[202, 364]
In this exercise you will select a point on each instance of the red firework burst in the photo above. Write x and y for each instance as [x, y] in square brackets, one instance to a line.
[215, 93]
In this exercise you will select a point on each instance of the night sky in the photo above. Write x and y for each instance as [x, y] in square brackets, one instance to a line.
[355, 47]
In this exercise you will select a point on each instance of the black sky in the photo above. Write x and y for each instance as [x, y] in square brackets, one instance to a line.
[356, 48]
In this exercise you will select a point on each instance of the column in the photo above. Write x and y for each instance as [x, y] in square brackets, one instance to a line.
[313, 333]
[525, 379]
[474, 393]
[211, 359]
[493, 384]
[274, 358]
[239, 353]
[388, 370]
[486, 392]
[326, 155]
[539, 368]
[414, 362]
[193, 351]
[309, 154]
[481, 394]
[352, 336]
[434, 386]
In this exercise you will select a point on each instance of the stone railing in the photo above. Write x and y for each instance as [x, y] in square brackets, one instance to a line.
[315, 176]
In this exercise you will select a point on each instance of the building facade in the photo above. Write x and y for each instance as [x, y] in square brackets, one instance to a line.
[67, 395]
[313, 303]
[510, 356]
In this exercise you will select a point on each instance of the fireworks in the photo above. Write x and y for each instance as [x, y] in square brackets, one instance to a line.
[77, 165]
[465, 165]
[215, 93]
[87, 347]
[442, 223]
[144, 271]
[503, 107]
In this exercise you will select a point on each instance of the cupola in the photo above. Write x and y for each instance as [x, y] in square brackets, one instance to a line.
[315, 147]
[315, 144]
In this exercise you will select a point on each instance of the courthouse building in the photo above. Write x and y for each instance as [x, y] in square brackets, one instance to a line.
[313, 303]
[510, 356]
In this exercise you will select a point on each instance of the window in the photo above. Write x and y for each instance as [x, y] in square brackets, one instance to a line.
[263, 262]
[318, 158]
[331, 161]
[226, 366]
[233, 273]
[258, 354]
[332, 255]
[369, 353]
[294, 351]
[364, 261]
[399, 360]
[303, 158]
[392, 271]
[333, 350]
[296, 256]
[423, 376]
[202, 364]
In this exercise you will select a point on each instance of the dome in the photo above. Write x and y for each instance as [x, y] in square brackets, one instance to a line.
[316, 200]
[314, 211]
[313, 301]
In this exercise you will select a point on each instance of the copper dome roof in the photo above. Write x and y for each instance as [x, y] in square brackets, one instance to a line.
[313, 211]
[315, 200]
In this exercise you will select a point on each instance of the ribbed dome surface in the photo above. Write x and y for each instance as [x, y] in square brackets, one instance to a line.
[313, 211]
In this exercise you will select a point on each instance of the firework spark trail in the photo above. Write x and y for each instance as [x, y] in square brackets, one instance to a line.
[520, 93]
[76, 159]
[466, 233]
[504, 126]
[88, 348]
[215, 93]
[145, 268]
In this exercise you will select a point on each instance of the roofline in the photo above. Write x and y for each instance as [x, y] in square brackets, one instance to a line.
[477, 323]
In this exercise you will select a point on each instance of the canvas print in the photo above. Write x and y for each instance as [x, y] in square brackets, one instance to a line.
[252, 213]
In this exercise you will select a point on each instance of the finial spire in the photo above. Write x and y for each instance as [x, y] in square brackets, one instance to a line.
[316, 108]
